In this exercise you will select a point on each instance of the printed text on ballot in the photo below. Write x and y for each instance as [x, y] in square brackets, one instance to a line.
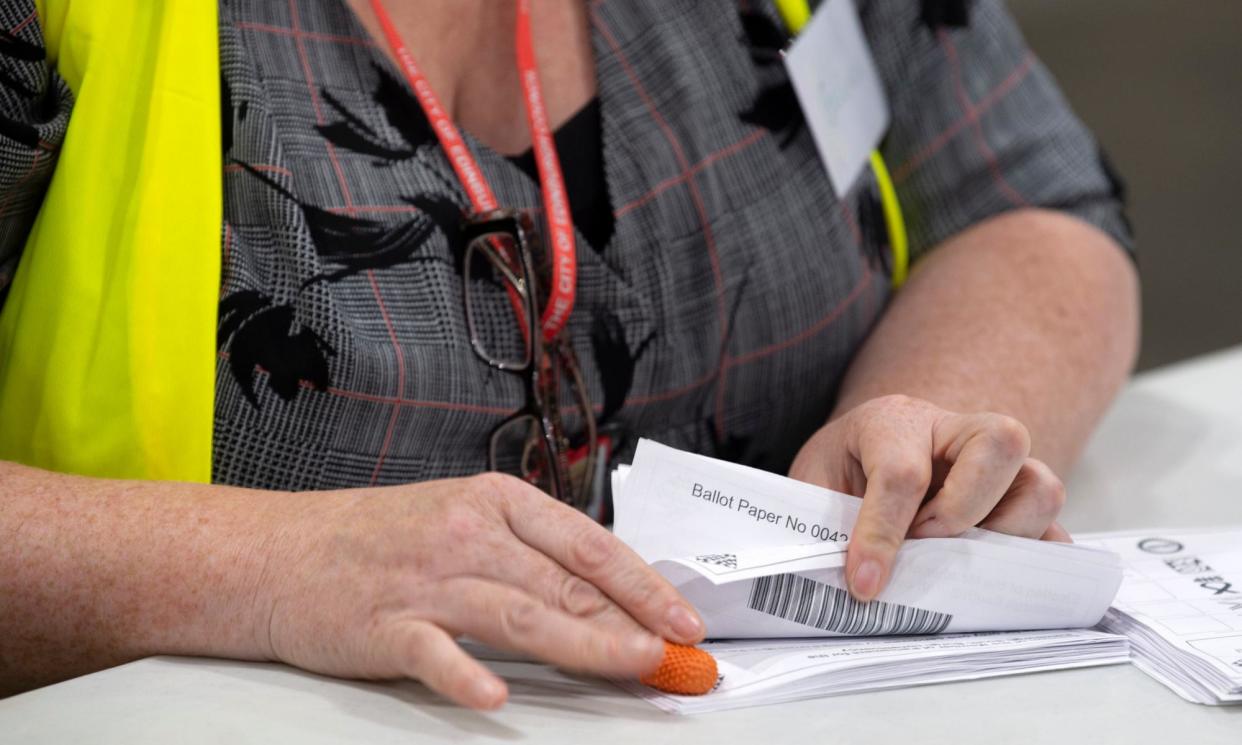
[760, 514]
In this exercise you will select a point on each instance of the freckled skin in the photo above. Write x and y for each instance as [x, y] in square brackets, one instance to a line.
[140, 571]
[367, 583]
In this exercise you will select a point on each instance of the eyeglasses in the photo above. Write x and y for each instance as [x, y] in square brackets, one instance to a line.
[499, 261]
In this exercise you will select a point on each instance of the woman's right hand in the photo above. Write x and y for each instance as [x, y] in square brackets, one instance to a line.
[377, 583]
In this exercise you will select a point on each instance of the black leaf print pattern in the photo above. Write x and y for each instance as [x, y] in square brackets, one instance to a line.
[20, 132]
[614, 360]
[256, 331]
[951, 13]
[23, 51]
[259, 333]
[874, 231]
[398, 106]
[15, 48]
[776, 108]
[765, 38]
[351, 133]
[355, 134]
[230, 115]
[357, 244]
[12, 83]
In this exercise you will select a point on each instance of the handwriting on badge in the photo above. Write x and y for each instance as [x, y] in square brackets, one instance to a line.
[760, 514]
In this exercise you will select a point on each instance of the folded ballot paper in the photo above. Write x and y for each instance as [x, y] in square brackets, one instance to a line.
[1180, 604]
[762, 557]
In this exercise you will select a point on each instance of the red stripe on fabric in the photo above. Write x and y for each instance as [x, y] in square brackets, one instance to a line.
[810, 331]
[396, 410]
[819, 326]
[298, 39]
[670, 394]
[682, 161]
[972, 115]
[655, 191]
[848, 215]
[805, 335]
[696, 196]
[295, 19]
[312, 36]
[416, 404]
[669, 183]
[997, 94]
[29, 20]
[722, 377]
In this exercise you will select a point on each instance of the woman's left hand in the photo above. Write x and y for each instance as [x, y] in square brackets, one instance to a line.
[925, 472]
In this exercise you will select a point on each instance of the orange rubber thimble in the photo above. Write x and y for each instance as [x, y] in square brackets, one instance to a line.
[687, 671]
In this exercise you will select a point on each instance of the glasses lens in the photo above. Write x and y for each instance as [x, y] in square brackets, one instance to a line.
[498, 308]
[518, 447]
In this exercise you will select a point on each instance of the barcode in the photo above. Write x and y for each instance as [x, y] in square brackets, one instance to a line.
[812, 603]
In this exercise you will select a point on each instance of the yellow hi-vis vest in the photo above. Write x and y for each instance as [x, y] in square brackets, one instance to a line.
[107, 339]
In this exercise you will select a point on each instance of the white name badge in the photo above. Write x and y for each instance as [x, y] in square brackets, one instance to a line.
[840, 91]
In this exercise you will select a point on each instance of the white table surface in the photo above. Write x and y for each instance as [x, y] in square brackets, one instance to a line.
[1169, 454]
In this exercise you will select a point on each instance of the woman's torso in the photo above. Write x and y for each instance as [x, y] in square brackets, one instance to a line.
[716, 313]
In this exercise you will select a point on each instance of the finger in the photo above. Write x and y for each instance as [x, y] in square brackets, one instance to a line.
[1031, 505]
[508, 618]
[419, 650]
[896, 460]
[527, 569]
[1057, 533]
[586, 549]
[986, 452]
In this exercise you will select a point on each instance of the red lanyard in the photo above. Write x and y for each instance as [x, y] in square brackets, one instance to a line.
[555, 200]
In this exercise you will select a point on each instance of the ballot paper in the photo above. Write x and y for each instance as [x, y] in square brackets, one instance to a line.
[757, 672]
[762, 558]
[1180, 604]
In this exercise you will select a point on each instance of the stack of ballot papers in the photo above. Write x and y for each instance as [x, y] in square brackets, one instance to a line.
[762, 557]
[772, 671]
[1180, 604]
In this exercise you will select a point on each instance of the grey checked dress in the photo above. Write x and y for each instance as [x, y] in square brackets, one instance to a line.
[718, 316]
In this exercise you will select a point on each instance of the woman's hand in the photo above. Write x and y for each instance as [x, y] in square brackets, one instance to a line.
[928, 473]
[376, 583]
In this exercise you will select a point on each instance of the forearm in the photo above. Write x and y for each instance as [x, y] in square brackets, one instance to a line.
[1031, 314]
[94, 573]
[366, 583]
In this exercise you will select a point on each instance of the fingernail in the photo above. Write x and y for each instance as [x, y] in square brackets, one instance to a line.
[489, 692]
[866, 581]
[684, 622]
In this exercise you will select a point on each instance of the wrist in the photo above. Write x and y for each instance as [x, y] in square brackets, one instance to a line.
[221, 555]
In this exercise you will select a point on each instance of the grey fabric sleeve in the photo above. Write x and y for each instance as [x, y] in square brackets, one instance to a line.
[979, 126]
[34, 114]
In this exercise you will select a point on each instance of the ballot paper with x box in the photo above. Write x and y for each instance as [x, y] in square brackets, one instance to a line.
[762, 557]
[1181, 607]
